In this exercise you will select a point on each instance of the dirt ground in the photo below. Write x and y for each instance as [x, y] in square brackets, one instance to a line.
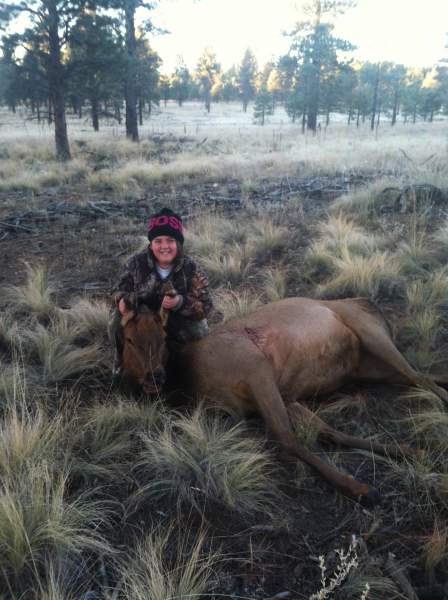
[83, 240]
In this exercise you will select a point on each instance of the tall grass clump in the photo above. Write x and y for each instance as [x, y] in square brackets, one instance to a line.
[275, 283]
[28, 438]
[90, 319]
[266, 238]
[232, 304]
[339, 239]
[35, 296]
[426, 301]
[200, 459]
[229, 267]
[37, 519]
[153, 573]
[414, 254]
[60, 359]
[428, 293]
[106, 439]
[373, 276]
[364, 201]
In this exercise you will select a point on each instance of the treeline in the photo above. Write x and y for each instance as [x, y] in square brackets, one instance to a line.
[88, 57]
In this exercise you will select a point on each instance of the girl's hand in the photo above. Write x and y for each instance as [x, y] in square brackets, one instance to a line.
[170, 302]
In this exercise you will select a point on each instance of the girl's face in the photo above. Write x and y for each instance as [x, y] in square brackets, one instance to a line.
[164, 249]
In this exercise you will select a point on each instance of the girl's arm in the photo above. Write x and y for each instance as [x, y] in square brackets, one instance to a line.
[196, 303]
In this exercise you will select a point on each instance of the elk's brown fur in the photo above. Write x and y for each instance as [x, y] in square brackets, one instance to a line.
[280, 354]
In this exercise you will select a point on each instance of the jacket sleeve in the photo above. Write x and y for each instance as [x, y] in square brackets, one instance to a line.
[197, 302]
[126, 283]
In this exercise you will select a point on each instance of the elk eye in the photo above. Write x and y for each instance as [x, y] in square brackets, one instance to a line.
[129, 341]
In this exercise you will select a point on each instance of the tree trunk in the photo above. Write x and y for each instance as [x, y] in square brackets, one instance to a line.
[378, 116]
[395, 108]
[50, 111]
[375, 98]
[327, 120]
[95, 120]
[357, 118]
[414, 114]
[303, 121]
[314, 99]
[130, 89]
[207, 100]
[56, 84]
[118, 112]
[140, 112]
[245, 103]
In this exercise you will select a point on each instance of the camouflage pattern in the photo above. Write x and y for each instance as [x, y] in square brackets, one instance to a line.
[188, 321]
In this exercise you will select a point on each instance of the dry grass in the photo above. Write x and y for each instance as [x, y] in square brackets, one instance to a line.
[231, 304]
[235, 147]
[36, 518]
[60, 359]
[435, 549]
[153, 574]
[228, 268]
[425, 326]
[275, 283]
[89, 319]
[430, 293]
[266, 238]
[34, 176]
[355, 275]
[104, 444]
[421, 399]
[201, 461]
[340, 242]
[28, 439]
[361, 203]
[35, 296]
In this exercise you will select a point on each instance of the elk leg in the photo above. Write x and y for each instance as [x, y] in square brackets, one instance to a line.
[380, 359]
[273, 410]
[325, 431]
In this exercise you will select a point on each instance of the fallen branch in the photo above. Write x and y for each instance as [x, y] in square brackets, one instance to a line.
[15, 226]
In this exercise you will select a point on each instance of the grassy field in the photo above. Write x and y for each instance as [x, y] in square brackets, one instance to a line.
[109, 497]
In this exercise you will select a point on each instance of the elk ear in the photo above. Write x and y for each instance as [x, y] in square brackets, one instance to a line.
[163, 315]
[131, 301]
[128, 315]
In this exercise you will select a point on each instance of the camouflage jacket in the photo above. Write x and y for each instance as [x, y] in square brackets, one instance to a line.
[189, 320]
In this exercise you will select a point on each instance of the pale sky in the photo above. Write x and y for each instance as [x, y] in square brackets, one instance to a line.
[412, 32]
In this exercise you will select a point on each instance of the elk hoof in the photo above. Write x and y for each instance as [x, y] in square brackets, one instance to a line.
[372, 498]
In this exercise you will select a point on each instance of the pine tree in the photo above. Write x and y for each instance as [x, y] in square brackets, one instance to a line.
[181, 81]
[97, 62]
[207, 71]
[317, 52]
[51, 22]
[246, 78]
[263, 105]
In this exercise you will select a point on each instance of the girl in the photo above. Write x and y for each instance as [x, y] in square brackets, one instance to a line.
[148, 274]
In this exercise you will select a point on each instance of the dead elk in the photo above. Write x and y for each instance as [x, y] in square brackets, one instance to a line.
[268, 361]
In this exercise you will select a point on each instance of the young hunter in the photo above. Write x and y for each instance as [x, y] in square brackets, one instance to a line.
[161, 267]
